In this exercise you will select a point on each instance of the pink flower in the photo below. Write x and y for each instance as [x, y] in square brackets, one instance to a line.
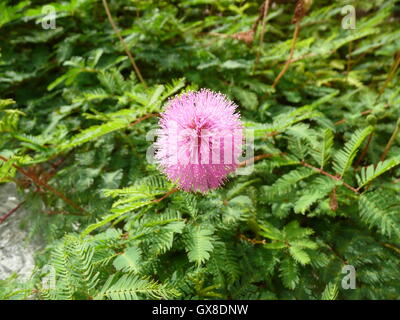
[200, 140]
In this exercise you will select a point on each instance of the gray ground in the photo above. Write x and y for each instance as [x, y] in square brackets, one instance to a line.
[16, 254]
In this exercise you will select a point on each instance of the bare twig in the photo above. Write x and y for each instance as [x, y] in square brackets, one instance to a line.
[44, 185]
[258, 20]
[299, 13]
[8, 214]
[288, 62]
[264, 19]
[114, 26]
[391, 140]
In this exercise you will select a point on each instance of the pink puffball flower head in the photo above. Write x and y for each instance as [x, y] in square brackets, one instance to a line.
[200, 140]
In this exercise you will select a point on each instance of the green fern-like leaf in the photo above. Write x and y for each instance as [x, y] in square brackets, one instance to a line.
[331, 291]
[321, 151]
[288, 181]
[380, 210]
[299, 255]
[289, 273]
[371, 172]
[198, 243]
[344, 158]
[316, 190]
[130, 260]
[132, 287]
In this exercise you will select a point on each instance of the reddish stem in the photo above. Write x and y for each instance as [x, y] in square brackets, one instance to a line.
[166, 195]
[144, 118]
[256, 158]
[253, 241]
[330, 176]
[8, 214]
[44, 185]
[288, 62]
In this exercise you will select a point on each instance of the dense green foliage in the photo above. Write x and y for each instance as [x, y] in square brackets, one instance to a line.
[73, 124]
